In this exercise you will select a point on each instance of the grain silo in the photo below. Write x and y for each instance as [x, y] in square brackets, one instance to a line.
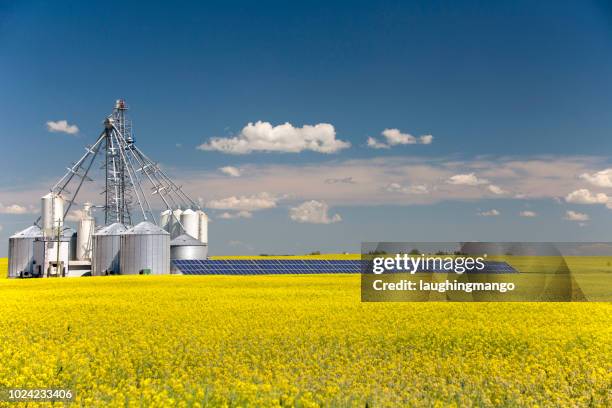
[145, 249]
[52, 213]
[190, 221]
[187, 247]
[175, 223]
[202, 227]
[106, 250]
[86, 227]
[165, 220]
[21, 251]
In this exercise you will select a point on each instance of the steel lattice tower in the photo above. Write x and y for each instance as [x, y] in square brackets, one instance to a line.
[118, 189]
[126, 170]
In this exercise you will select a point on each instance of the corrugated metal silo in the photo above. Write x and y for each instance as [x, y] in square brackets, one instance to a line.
[106, 250]
[52, 213]
[145, 249]
[203, 227]
[21, 251]
[190, 221]
[86, 227]
[187, 247]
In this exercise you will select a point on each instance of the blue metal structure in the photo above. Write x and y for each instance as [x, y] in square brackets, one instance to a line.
[293, 266]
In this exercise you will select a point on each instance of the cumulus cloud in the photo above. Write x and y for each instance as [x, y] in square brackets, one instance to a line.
[496, 189]
[239, 214]
[469, 179]
[413, 189]
[584, 196]
[394, 137]
[14, 209]
[231, 171]
[576, 216]
[426, 139]
[255, 202]
[62, 126]
[528, 214]
[490, 213]
[313, 212]
[375, 144]
[601, 178]
[263, 136]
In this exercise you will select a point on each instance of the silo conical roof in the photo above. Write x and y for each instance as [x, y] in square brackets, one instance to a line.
[146, 228]
[32, 231]
[113, 229]
[185, 240]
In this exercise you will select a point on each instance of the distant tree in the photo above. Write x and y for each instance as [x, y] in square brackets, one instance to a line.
[415, 252]
[315, 253]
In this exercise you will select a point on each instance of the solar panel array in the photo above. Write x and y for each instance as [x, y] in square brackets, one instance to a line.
[292, 266]
[265, 266]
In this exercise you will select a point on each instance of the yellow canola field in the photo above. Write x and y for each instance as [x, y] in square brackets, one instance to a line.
[302, 341]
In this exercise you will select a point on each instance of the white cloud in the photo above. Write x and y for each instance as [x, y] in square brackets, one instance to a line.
[256, 202]
[528, 214]
[313, 212]
[584, 196]
[62, 126]
[14, 209]
[231, 171]
[262, 136]
[601, 178]
[395, 137]
[375, 144]
[469, 179]
[239, 214]
[413, 189]
[426, 139]
[576, 216]
[496, 189]
[490, 213]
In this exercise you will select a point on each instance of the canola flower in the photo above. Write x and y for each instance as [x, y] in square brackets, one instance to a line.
[305, 341]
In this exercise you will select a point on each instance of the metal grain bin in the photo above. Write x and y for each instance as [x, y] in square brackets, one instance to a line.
[106, 250]
[145, 249]
[21, 251]
[186, 247]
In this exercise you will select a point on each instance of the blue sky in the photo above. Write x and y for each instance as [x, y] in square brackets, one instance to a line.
[510, 91]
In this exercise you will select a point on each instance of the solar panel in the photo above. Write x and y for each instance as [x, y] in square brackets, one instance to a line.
[291, 266]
